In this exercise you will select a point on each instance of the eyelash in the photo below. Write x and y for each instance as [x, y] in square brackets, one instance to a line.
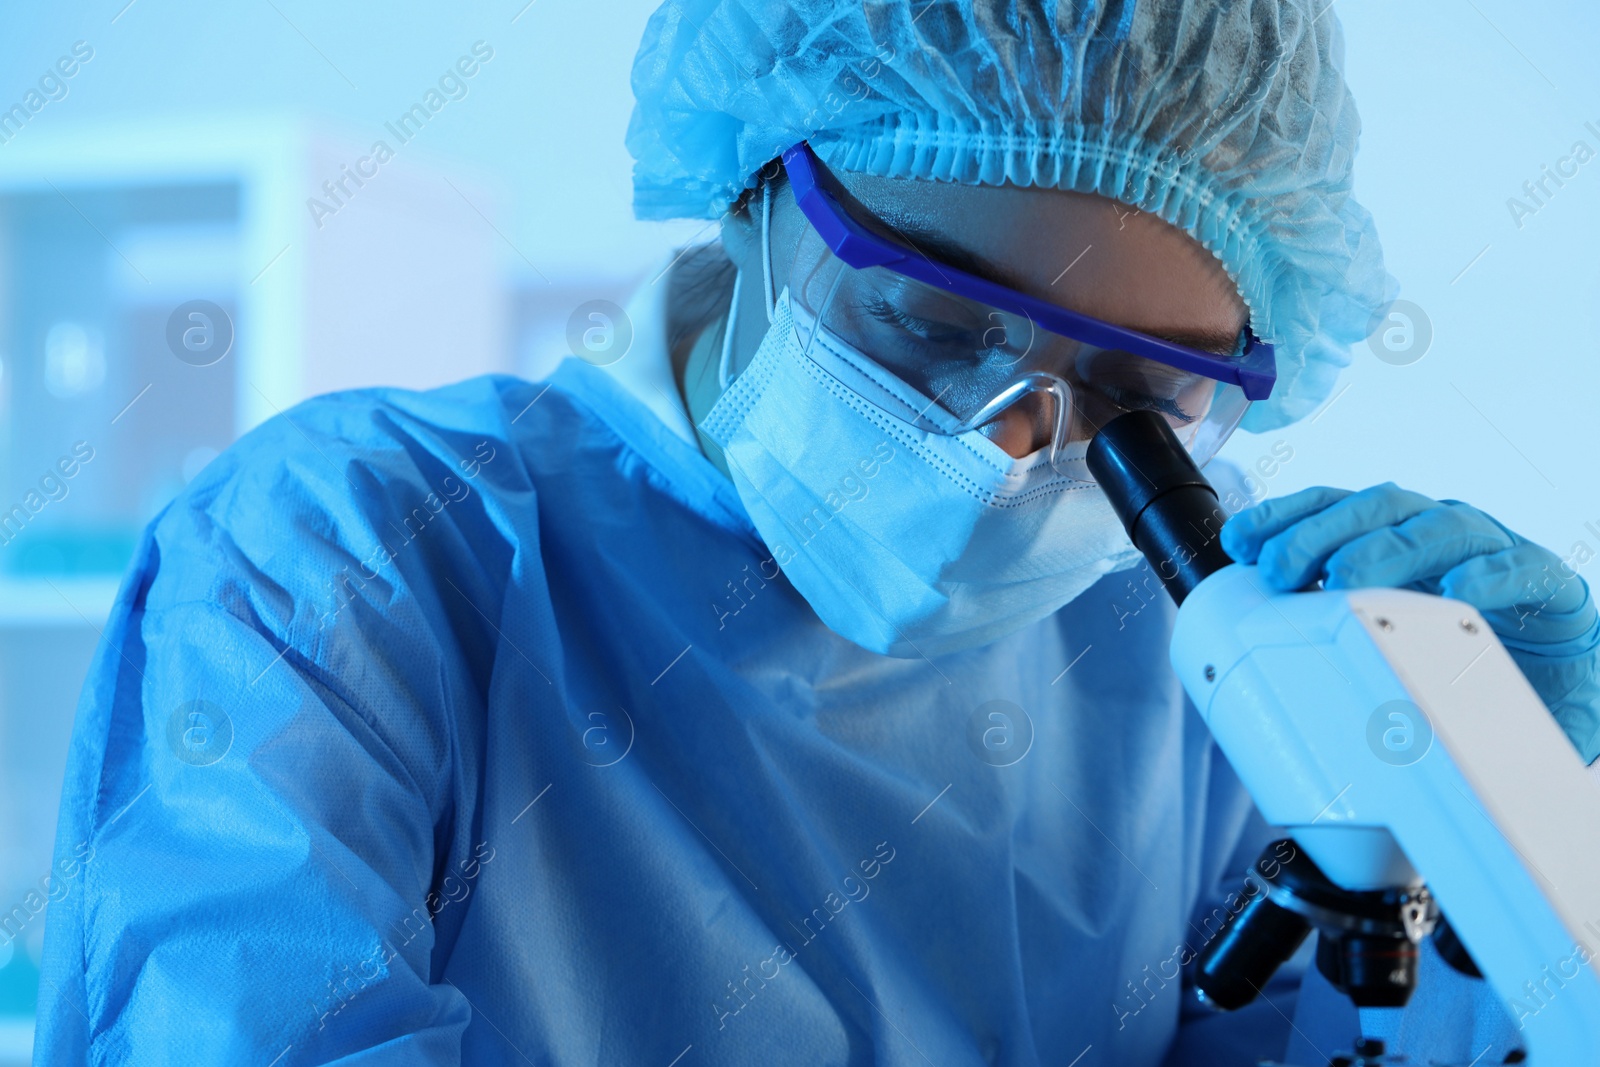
[1162, 405]
[936, 333]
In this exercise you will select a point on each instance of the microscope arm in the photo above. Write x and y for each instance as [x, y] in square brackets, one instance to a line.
[1489, 804]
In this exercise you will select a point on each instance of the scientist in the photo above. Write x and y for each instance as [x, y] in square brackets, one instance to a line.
[760, 697]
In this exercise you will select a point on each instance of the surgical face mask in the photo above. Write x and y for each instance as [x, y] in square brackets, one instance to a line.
[905, 541]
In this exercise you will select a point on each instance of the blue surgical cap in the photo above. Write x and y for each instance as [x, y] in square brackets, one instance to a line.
[1230, 120]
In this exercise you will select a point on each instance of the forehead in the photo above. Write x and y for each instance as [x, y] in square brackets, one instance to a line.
[1084, 252]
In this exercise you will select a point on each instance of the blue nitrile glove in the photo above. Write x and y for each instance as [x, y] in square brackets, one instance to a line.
[1387, 536]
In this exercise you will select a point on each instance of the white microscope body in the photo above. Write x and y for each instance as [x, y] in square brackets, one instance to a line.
[1393, 737]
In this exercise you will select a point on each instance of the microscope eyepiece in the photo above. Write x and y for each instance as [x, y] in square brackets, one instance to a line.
[1170, 511]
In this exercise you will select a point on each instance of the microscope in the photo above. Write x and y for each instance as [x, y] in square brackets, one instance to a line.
[1478, 829]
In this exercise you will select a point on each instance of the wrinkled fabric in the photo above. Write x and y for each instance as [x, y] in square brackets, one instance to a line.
[475, 726]
[1231, 121]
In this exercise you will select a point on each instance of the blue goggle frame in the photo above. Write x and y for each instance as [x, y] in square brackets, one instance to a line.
[1252, 366]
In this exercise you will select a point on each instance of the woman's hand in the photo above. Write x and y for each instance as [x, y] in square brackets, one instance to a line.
[1387, 536]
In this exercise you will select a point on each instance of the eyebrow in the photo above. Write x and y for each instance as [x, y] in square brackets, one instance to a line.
[944, 251]
[1216, 342]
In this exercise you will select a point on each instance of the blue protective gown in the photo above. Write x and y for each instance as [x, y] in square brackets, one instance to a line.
[477, 726]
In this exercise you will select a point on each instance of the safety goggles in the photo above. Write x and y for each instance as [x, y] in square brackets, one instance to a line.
[967, 350]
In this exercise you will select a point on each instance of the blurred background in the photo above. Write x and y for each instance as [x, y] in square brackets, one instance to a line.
[197, 230]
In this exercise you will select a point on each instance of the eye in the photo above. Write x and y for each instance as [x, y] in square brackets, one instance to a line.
[1133, 400]
[939, 333]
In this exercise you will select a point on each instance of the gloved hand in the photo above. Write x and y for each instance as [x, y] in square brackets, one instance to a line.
[1387, 536]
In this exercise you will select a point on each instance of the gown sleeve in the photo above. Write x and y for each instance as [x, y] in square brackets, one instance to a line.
[258, 793]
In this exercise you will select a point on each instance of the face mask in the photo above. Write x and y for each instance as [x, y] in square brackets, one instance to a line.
[905, 542]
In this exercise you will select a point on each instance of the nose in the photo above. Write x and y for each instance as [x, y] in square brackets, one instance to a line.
[1024, 427]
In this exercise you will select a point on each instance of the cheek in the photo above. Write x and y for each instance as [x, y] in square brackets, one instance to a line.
[1020, 430]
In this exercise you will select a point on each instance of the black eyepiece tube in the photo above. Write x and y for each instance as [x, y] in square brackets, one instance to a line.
[1170, 511]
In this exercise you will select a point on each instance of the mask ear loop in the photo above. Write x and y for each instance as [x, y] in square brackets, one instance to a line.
[725, 360]
[766, 249]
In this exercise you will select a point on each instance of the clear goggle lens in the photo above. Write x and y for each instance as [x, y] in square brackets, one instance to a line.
[960, 365]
